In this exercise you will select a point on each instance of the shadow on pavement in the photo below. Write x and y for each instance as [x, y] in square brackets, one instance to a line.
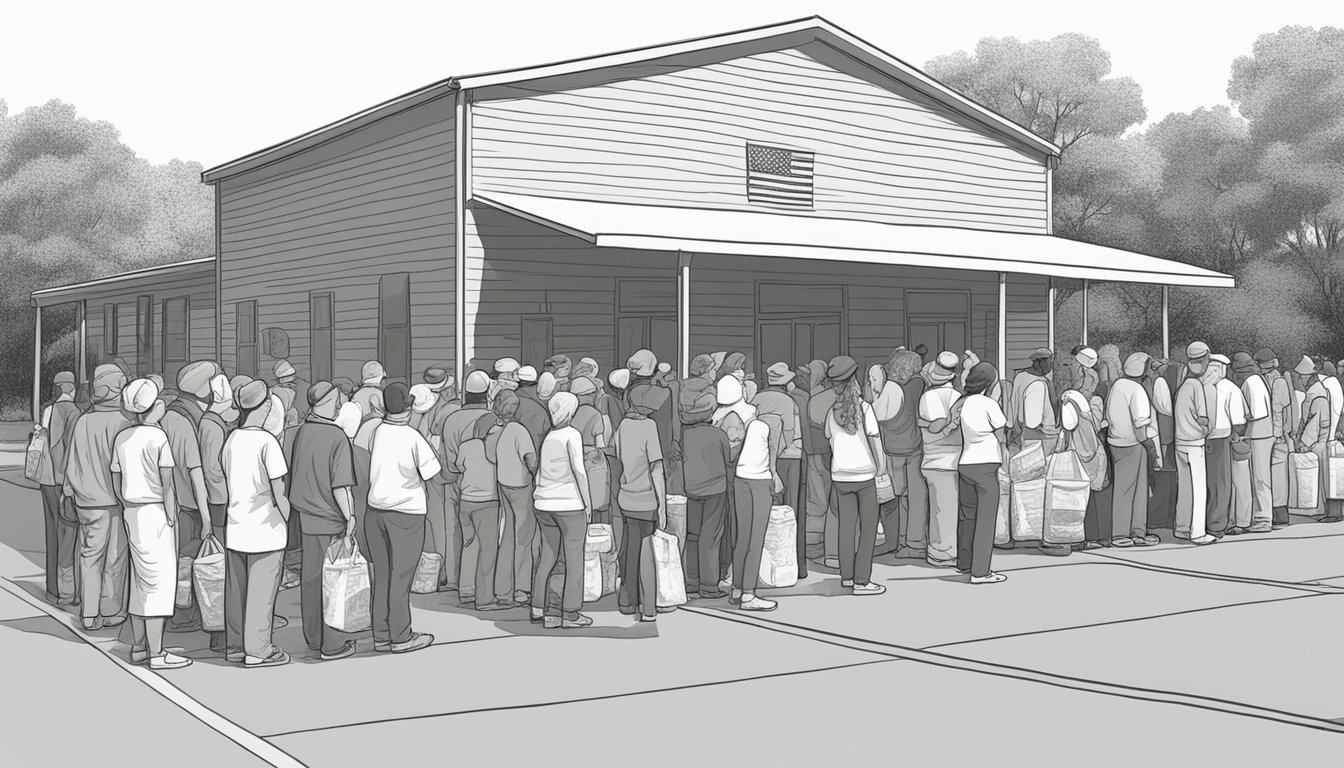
[41, 625]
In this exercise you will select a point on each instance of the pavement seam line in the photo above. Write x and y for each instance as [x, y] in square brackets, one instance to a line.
[1119, 690]
[1323, 589]
[251, 742]
[585, 699]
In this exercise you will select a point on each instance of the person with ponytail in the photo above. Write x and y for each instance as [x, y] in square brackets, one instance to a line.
[856, 445]
[982, 436]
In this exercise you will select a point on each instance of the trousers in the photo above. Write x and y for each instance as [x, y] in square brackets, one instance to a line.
[395, 541]
[943, 514]
[518, 545]
[791, 475]
[820, 507]
[752, 510]
[103, 562]
[316, 633]
[1191, 492]
[443, 533]
[639, 587]
[479, 521]
[857, 530]
[251, 583]
[1129, 473]
[1218, 474]
[1242, 501]
[978, 510]
[910, 523]
[60, 546]
[704, 534]
[1262, 482]
[560, 532]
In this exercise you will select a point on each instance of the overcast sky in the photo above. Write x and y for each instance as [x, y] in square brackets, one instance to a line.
[210, 81]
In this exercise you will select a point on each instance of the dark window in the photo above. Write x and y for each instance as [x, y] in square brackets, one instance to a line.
[394, 325]
[321, 312]
[780, 178]
[110, 330]
[176, 338]
[144, 336]
[246, 313]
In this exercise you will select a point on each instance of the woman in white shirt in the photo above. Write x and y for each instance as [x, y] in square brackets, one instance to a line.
[982, 424]
[856, 444]
[754, 484]
[142, 468]
[563, 507]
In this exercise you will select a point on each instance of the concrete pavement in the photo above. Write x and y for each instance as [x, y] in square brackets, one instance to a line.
[1169, 656]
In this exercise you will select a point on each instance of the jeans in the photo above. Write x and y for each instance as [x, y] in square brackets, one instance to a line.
[704, 535]
[1129, 475]
[638, 594]
[443, 533]
[60, 546]
[103, 562]
[943, 514]
[857, 503]
[1262, 505]
[560, 531]
[518, 546]
[1191, 493]
[1241, 494]
[820, 505]
[479, 521]
[752, 509]
[791, 475]
[395, 541]
[189, 538]
[251, 583]
[978, 489]
[911, 521]
[316, 633]
[1218, 471]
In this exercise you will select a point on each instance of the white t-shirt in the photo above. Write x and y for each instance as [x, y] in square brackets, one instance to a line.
[1035, 404]
[400, 461]
[852, 454]
[1258, 407]
[940, 451]
[980, 417]
[252, 458]
[557, 488]
[1230, 410]
[753, 463]
[138, 453]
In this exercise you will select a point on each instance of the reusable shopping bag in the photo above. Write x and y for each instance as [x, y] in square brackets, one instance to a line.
[1028, 510]
[208, 573]
[1067, 488]
[1028, 463]
[427, 570]
[1003, 535]
[1304, 471]
[885, 492]
[599, 539]
[667, 566]
[779, 560]
[1335, 465]
[346, 592]
[37, 445]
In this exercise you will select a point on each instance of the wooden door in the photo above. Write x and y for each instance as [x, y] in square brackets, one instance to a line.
[955, 338]
[537, 340]
[778, 341]
[662, 339]
[321, 316]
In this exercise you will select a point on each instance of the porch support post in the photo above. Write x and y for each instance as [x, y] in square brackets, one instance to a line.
[1085, 286]
[683, 314]
[1003, 325]
[37, 363]
[460, 246]
[1166, 322]
[81, 340]
[1050, 315]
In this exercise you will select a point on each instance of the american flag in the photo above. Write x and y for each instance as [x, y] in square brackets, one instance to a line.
[780, 177]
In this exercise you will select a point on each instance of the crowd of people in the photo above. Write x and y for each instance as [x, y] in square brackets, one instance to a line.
[501, 476]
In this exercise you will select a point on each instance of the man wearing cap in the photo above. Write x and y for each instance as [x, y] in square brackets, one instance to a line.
[256, 530]
[321, 478]
[775, 399]
[1227, 415]
[459, 562]
[1031, 412]
[559, 366]
[1131, 437]
[57, 420]
[1260, 434]
[369, 396]
[643, 367]
[897, 411]
[400, 461]
[531, 411]
[1087, 358]
[1312, 435]
[506, 370]
[440, 525]
[705, 468]
[88, 482]
[182, 422]
[940, 438]
[1280, 416]
[1191, 424]
[287, 389]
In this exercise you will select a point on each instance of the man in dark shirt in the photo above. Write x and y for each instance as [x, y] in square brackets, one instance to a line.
[321, 474]
[460, 562]
[705, 466]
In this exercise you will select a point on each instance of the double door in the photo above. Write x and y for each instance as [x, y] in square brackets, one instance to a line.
[797, 341]
[654, 332]
[939, 335]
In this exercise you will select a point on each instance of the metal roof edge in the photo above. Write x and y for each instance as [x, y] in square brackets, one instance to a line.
[160, 269]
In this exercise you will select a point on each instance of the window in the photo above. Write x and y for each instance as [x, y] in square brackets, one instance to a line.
[175, 331]
[144, 336]
[320, 321]
[246, 314]
[110, 330]
[780, 178]
[394, 325]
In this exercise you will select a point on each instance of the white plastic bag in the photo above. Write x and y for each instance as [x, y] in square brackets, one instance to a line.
[1028, 463]
[1003, 534]
[885, 492]
[1028, 510]
[599, 539]
[1067, 489]
[346, 592]
[208, 573]
[37, 445]
[779, 559]
[1304, 471]
[667, 567]
[1335, 468]
[426, 579]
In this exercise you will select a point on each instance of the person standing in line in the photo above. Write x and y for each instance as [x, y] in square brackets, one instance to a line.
[732, 416]
[563, 508]
[321, 479]
[1190, 416]
[706, 466]
[777, 400]
[288, 389]
[256, 531]
[800, 391]
[755, 479]
[506, 373]
[1162, 381]
[531, 411]
[642, 499]
[982, 425]
[618, 381]
[596, 434]
[516, 465]
[88, 482]
[58, 418]
[1280, 416]
[941, 437]
[182, 424]
[1312, 435]
[559, 367]
[856, 444]
[369, 396]
[1087, 359]
[478, 513]
[1330, 380]
[400, 462]
[442, 532]
[1260, 432]
[1131, 435]
[821, 503]
[646, 371]
[214, 429]
[142, 476]
[897, 412]
[459, 559]
[1226, 414]
[1032, 409]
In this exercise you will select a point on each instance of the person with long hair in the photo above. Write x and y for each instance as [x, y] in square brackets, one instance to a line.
[563, 508]
[856, 445]
[982, 436]
[896, 405]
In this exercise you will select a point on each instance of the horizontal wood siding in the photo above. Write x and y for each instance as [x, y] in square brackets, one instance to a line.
[1028, 324]
[336, 218]
[883, 152]
[199, 289]
[517, 269]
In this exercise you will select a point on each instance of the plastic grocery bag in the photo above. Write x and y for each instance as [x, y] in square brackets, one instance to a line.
[667, 566]
[183, 597]
[1335, 467]
[37, 445]
[427, 570]
[885, 492]
[208, 573]
[599, 539]
[779, 559]
[1303, 477]
[676, 519]
[1003, 534]
[1028, 510]
[1028, 463]
[346, 592]
[1067, 489]
[599, 477]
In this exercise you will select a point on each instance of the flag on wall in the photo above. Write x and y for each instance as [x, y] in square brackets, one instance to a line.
[781, 177]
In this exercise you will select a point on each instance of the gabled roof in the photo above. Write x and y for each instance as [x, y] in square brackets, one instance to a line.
[786, 34]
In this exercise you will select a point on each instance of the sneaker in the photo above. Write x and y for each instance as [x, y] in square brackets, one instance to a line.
[551, 622]
[276, 659]
[1260, 528]
[466, 599]
[911, 553]
[847, 583]
[642, 618]
[169, 661]
[1237, 530]
[1091, 545]
[113, 621]
[832, 562]
[498, 605]
[1203, 540]
[754, 603]
[1147, 541]
[92, 625]
[418, 641]
[577, 621]
[991, 578]
[347, 650]
[1056, 550]
[235, 657]
[666, 608]
[1280, 526]
[522, 598]
[869, 589]
[942, 563]
[1122, 541]
[382, 647]
[712, 594]
[139, 656]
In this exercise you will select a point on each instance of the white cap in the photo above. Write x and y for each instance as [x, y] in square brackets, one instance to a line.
[139, 395]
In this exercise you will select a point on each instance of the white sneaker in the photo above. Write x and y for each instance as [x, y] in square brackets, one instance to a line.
[847, 583]
[169, 661]
[869, 589]
[1202, 540]
[755, 603]
[990, 578]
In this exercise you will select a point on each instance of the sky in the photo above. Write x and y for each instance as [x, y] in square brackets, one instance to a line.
[211, 81]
